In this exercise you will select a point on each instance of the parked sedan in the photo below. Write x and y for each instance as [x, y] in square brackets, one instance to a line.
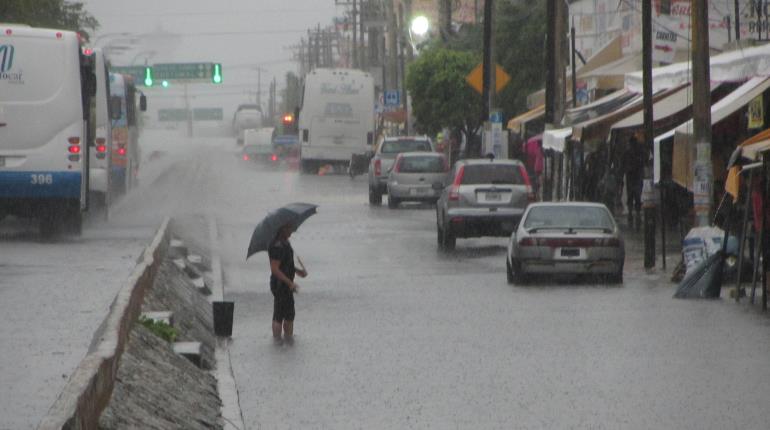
[414, 177]
[566, 238]
[486, 197]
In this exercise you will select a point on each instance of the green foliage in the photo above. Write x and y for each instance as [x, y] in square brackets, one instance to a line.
[290, 94]
[440, 95]
[520, 30]
[160, 329]
[59, 14]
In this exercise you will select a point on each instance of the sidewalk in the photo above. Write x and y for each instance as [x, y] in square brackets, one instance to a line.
[634, 241]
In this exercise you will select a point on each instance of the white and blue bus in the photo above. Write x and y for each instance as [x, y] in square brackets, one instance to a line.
[100, 156]
[47, 85]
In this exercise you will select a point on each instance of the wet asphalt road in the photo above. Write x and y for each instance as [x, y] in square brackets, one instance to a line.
[390, 333]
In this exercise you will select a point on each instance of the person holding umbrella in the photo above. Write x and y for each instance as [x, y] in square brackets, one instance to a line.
[282, 272]
[272, 235]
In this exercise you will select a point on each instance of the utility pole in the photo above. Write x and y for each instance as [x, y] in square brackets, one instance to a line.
[402, 67]
[572, 63]
[550, 64]
[445, 18]
[355, 35]
[649, 208]
[701, 114]
[737, 20]
[362, 45]
[488, 68]
[392, 48]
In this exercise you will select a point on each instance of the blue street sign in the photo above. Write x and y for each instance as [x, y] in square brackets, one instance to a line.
[392, 98]
[496, 116]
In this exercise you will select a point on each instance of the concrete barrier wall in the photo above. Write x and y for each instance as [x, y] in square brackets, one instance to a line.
[89, 389]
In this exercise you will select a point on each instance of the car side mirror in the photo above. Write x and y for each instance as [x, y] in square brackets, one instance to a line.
[438, 186]
[116, 108]
[143, 103]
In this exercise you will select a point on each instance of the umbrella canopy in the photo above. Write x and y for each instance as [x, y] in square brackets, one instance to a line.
[293, 214]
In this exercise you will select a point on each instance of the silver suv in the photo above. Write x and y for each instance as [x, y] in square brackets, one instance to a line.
[382, 162]
[485, 198]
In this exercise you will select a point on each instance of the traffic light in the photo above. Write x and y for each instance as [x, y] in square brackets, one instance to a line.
[288, 119]
[216, 73]
[289, 123]
[148, 81]
[164, 83]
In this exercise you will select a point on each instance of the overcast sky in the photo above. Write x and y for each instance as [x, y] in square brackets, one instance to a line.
[240, 34]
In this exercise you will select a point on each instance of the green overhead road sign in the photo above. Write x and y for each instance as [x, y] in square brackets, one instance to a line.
[184, 71]
[208, 114]
[172, 115]
[137, 72]
[199, 114]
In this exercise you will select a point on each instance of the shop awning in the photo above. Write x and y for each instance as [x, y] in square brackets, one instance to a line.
[733, 66]
[674, 103]
[514, 125]
[554, 139]
[751, 148]
[607, 54]
[684, 147]
[612, 74]
[597, 108]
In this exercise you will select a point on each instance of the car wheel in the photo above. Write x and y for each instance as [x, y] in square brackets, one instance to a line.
[375, 197]
[616, 278]
[509, 271]
[449, 239]
[516, 276]
[392, 202]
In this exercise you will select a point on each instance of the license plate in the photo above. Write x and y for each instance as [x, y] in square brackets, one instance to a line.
[418, 191]
[493, 197]
[570, 252]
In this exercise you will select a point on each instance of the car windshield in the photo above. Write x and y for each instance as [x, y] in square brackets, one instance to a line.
[421, 164]
[508, 174]
[568, 217]
[404, 145]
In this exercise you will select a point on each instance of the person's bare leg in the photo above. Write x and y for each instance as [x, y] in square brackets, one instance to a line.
[276, 330]
[288, 330]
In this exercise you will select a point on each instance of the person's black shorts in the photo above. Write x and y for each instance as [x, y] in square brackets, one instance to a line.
[283, 303]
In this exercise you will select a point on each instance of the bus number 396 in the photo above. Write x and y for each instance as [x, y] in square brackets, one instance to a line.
[41, 179]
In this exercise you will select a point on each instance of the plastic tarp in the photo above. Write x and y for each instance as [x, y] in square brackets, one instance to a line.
[514, 125]
[555, 139]
[684, 147]
[733, 66]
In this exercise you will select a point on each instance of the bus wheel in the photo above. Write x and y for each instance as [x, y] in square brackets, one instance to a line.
[73, 221]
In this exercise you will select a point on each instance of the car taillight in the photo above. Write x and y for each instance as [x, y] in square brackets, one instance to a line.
[74, 149]
[378, 167]
[454, 193]
[101, 149]
[274, 157]
[121, 151]
[245, 157]
[397, 164]
[527, 241]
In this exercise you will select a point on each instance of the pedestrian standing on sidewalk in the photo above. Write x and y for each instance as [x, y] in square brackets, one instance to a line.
[282, 272]
[633, 162]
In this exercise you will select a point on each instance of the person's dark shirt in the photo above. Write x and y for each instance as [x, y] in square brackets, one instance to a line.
[282, 252]
[634, 161]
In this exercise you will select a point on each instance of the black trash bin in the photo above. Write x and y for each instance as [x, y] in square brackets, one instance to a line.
[223, 318]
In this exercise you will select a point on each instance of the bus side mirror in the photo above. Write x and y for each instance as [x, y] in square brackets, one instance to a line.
[369, 138]
[115, 108]
[143, 103]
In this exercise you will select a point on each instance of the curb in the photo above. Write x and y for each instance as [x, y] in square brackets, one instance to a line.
[89, 389]
[226, 385]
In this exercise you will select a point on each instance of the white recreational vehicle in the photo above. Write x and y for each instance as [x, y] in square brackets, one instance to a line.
[336, 117]
[47, 85]
[101, 152]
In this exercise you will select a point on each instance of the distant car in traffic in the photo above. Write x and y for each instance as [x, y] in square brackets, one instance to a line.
[384, 156]
[486, 197]
[260, 153]
[413, 177]
[566, 238]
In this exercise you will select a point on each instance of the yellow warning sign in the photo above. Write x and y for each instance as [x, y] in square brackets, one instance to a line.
[476, 78]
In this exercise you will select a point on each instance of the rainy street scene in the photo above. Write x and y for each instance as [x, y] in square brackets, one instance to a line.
[384, 214]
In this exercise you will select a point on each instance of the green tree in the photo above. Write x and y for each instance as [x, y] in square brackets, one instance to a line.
[440, 95]
[290, 94]
[59, 14]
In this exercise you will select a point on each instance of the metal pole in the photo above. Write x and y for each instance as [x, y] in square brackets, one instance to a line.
[649, 208]
[574, 66]
[704, 174]
[663, 224]
[355, 36]
[361, 46]
[402, 67]
[737, 21]
[487, 66]
[188, 112]
[746, 207]
[550, 64]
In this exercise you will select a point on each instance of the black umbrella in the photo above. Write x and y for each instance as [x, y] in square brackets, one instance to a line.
[293, 214]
